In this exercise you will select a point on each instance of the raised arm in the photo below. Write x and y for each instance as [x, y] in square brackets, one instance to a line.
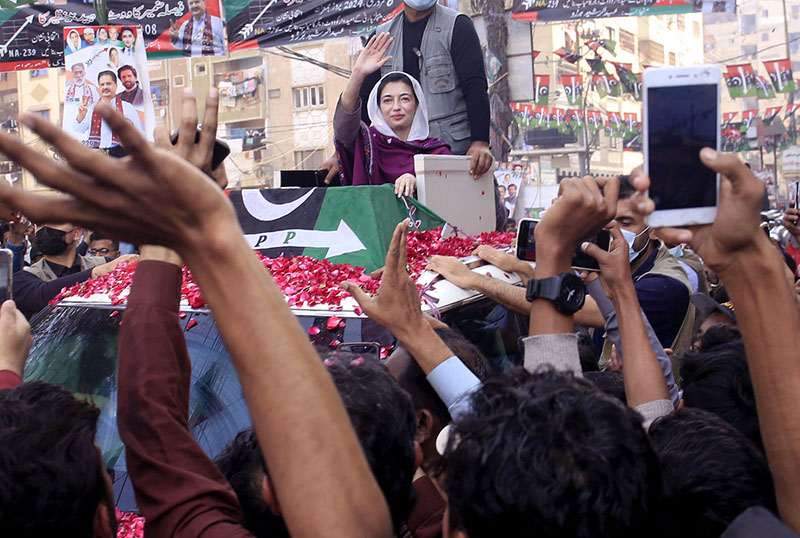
[293, 403]
[643, 376]
[767, 314]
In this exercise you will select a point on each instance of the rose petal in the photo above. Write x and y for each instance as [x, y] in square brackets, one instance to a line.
[314, 330]
[192, 323]
[333, 322]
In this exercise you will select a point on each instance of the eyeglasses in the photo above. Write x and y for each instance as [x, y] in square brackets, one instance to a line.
[100, 251]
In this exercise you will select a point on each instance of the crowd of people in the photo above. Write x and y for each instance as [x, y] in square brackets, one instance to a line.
[677, 418]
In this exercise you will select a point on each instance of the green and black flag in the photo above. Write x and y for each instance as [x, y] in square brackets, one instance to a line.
[541, 89]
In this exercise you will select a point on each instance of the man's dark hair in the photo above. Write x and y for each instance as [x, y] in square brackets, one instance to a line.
[128, 29]
[611, 383]
[51, 479]
[107, 72]
[549, 453]
[127, 68]
[4, 227]
[396, 77]
[99, 237]
[711, 472]
[243, 465]
[586, 351]
[626, 189]
[383, 418]
[717, 379]
[718, 334]
[414, 381]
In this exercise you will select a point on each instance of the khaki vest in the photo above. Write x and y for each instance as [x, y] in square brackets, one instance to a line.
[447, 110]
[666, 264]
[42, 269]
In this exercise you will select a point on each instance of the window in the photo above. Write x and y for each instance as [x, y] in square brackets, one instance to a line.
[651, 52]
[765, 36]
[308, 159]
[614, 142]
[200, 70]
[681, 23]
[626, 41]
[794, 43]
[274, 94]
[36, 73]
[672, 59]
[749, 50]
[308, 97]
[748, 24]
[178, 81]
[44, 114]
[612, 33]
[765, 13]
[795, 12]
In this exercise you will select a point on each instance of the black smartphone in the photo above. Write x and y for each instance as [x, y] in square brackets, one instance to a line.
[526, 246]
[365, 349]
[796, 201]
[221, 148]
[6, 273]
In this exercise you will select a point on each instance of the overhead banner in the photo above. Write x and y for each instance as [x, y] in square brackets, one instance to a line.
[567, 10]
[268, 23]
[32, 35]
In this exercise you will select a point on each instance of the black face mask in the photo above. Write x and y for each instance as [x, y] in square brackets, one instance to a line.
[51, 241]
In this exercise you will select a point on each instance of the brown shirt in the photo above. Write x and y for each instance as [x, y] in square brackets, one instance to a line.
[179, 489]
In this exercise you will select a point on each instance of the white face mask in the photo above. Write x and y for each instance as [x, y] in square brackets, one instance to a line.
[631, 238]
[420, 5]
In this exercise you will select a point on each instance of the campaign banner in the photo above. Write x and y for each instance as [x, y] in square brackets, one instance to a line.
[342, 224]
[32, 36]
[109, 67]
[567, 10]
[510, 178]
[268, 23]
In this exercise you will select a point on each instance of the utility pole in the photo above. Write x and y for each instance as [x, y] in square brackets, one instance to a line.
[500, 92]
[792, 120]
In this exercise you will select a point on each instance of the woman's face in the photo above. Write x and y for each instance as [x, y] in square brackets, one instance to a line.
[398, 105]
[102, 34]
[75, 38]
[113, 54]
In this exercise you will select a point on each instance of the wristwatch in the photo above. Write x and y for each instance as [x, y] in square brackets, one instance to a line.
[566, 291]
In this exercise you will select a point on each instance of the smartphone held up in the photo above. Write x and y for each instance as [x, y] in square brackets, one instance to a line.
[681, 117]
[6, 274]
[526, 246]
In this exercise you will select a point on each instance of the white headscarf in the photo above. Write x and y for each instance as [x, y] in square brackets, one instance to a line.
[419, 125]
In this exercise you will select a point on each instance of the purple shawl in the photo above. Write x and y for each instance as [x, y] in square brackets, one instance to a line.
[380, 159]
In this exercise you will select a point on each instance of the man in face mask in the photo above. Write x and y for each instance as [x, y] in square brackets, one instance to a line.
[60, 267]
[661, 283]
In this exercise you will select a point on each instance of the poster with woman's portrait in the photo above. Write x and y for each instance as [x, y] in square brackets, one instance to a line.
[105, 64]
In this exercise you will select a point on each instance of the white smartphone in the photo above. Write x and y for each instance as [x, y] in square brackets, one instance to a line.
[681, 117]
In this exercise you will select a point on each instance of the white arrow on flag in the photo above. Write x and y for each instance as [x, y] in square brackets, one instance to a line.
[249, 27]
[4, 46]
[342, 240]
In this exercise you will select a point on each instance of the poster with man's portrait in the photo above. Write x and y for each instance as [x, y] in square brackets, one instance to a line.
[510, 177]
[200, 31]
[105, 64]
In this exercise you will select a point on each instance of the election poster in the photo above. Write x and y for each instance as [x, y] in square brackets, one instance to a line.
[105, 64]
[566, 10]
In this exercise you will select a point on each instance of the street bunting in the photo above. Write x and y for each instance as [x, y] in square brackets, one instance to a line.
[573, 88]
[780, 72]
[771, 113]
[747, 119]
[764, 88]
[606, 85]
[566, 10]
[790, 110]
[541, 89]
[344, 224]
[741, 81]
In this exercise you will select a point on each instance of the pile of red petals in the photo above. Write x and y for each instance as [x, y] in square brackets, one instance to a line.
[306, 282]
[129, 525]
[423, 245]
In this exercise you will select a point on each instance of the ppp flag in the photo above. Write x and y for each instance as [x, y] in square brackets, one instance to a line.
[344, 225]
[573, 87]
[790, 109]
[606, 85]
[542, 89]
[630, 81]
[764, 90]
[741, 81]
[594, 120]
[523, 114]
[780, 72]
[575, 119]
[747, 118]
[541, 117]
[727, 118]
[771, 113]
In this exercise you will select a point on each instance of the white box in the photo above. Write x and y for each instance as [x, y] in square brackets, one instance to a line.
[445, 186]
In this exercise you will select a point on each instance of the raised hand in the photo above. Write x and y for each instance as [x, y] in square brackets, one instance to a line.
[154, 197]
[198, 153]
[173, 30]
[16, 341]
[736, 228]
[615, 267]
[373, 57]
[790, 220]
